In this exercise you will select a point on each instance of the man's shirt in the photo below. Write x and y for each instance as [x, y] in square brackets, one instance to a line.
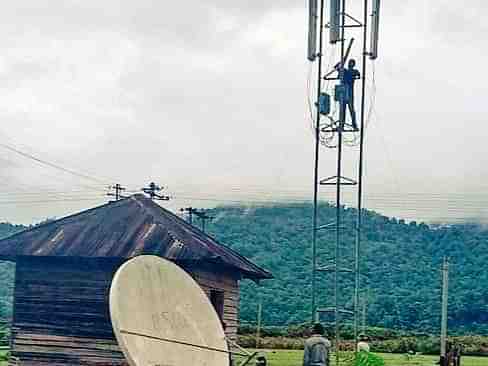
[316, 352]
[363, 346]
[350, 75]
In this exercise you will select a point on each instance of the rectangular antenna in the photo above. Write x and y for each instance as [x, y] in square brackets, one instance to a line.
[375, 27]
[335, 21]
[312, 30]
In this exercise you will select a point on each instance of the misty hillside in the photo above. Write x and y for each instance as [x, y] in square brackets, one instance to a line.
[401, 263]
[7, 274]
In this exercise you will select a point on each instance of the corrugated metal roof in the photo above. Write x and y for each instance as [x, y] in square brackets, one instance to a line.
[124, 229]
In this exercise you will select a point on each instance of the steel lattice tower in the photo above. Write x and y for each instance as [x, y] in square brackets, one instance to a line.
[339, 27]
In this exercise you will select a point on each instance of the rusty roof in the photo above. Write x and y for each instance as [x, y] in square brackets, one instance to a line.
[125, 229]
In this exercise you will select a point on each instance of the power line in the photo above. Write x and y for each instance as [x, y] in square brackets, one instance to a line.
[393, 197]
[412, 198]
[461, 206]
[382, 202]
[76, 199]
[458, 208]
[48, 193]
[52, 165]
[52, 175]
[306, 190]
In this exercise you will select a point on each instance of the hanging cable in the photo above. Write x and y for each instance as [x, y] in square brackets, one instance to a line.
[50, 164]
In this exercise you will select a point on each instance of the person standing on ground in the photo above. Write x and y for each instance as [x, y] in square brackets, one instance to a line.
[364, 355]
[363, 343]
[317, 348]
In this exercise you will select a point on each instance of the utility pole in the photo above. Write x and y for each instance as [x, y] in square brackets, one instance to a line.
[445, 289]
[118, 191]
[260, 311]
[152, 190]
[364, 316]
[359, 218]
[191, 211]
[202, 215]
[314, 14]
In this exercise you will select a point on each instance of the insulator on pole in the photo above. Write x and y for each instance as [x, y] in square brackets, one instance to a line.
[312, 30]
[335, 21]
[375, 28]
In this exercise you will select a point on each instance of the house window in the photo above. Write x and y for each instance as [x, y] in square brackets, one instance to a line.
[217, 300]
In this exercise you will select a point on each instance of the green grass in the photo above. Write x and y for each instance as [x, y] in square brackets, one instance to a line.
[3, 354]
[294, 358]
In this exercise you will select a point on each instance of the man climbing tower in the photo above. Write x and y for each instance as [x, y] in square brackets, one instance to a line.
[350, 76]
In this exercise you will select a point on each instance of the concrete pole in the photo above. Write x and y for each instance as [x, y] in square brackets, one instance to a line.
[364, 316]
[260, 311]
[445, 289]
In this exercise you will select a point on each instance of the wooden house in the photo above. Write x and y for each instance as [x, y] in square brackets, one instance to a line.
[64, 269]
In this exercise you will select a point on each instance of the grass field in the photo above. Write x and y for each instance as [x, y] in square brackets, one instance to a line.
[294, 358]
[3, 353]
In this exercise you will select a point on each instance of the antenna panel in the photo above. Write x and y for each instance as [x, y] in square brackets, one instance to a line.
[375, 27]
[335, 21]
[161, 316]
[312, 30]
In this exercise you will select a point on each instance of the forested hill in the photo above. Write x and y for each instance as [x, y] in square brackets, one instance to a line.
[401, 263]
[7, 274]
[7, 229]
[400, 260]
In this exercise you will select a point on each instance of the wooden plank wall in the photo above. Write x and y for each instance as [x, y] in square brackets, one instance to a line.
[229, 284]
[61, 313]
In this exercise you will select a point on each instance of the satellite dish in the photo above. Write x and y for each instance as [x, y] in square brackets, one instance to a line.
[162, 317]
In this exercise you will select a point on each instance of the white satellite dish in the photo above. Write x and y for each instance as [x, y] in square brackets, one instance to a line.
[162, 317]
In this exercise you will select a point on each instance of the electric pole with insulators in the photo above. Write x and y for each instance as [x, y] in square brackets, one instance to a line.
[152, 191]
[117, 191]
[202, 215]
[191, 211]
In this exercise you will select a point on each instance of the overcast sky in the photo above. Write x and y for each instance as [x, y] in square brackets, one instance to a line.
[210, 100]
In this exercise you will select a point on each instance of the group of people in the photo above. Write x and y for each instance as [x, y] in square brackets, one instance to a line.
[316, 350]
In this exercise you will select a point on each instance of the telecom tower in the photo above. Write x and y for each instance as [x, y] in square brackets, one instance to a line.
[341, 24]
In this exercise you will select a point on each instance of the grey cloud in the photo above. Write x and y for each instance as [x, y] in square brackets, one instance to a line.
[195, 23]
[215, 92]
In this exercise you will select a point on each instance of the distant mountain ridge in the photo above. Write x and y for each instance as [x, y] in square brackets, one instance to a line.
[400, 266]
[400, 262]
